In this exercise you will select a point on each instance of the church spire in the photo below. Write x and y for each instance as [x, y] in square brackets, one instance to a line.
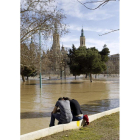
[82, 38]
[82, 32]
[56, 43]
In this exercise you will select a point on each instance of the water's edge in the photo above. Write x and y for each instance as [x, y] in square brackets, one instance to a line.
[63, 127]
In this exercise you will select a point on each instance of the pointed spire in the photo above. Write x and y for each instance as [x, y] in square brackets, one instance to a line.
[62, 48]
[82, 32]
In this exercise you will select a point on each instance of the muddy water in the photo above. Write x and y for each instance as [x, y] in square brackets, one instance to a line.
[100, 95]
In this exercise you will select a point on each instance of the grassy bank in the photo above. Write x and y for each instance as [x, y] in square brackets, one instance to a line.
[105, 128]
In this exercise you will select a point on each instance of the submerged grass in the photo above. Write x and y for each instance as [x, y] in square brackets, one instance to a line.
[105, 128]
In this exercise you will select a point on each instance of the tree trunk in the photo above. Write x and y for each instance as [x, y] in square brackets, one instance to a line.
[86, 75]
[65, 76]
[75, 77]
[95, 76]
[27, 77]
[90, 77]
[23, 78]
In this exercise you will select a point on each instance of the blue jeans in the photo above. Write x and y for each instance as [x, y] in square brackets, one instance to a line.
[53, 117]
[77, 118]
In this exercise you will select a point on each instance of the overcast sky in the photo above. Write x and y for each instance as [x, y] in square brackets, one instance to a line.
[94, 22]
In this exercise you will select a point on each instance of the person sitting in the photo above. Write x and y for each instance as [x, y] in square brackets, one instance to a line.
[75, 108]
[65, 115]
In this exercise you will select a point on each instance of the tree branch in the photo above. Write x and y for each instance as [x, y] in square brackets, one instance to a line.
[96, 1]
[34, 30]
[102, 3]
[109, 32]
[25, 10]
[39, 13]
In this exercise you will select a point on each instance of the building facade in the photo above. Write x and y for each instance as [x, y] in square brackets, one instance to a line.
[113, 64]
[57, 58]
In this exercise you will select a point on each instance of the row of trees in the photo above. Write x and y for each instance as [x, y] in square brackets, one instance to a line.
[87, 60]
[29, 60]
[42, 15]
[36, 16]
[51, 63]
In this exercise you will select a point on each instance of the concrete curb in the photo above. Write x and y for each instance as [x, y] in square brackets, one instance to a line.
[63, 127]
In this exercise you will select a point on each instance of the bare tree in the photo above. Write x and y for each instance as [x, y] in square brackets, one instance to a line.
[46, 63]
[39, 15]
[29, 57]
[100, 3]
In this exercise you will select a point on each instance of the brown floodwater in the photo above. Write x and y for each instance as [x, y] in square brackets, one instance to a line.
[97, 96]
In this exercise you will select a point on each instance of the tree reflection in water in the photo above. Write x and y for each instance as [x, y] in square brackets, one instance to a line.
[92, 108]
[98, 106]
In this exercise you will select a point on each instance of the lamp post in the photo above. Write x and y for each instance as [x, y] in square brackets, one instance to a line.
[61, 70]
[40, 59]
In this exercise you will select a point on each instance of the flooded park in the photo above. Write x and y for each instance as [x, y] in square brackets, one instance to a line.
[36, 106]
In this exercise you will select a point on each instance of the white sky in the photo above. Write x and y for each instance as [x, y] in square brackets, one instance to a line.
[94, 22]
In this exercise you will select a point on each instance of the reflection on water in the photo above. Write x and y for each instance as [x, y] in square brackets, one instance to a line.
[54, 83]
[92, 107]
[98, 96]
[27, 115]
[99, 106]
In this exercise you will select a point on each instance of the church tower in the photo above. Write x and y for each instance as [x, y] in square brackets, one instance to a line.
[56, 43]
[82, 39]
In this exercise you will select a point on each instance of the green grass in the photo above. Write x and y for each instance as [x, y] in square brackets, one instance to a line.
[105, 128]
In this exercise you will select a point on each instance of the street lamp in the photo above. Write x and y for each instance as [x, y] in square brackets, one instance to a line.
[40, 58]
